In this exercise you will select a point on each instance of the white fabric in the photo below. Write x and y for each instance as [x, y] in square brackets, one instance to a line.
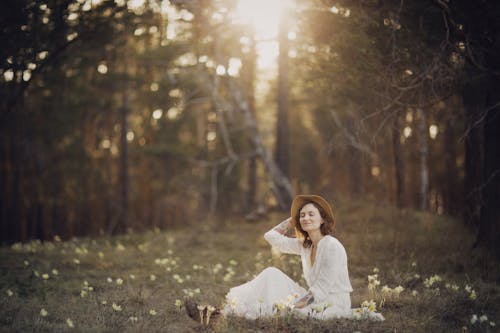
[328, 281]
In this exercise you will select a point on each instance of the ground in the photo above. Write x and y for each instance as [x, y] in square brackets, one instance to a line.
[418, 268]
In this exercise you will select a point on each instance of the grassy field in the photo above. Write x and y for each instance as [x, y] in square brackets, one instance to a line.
[131, 283]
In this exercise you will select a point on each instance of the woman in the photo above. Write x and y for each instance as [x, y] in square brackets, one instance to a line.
[324, 264]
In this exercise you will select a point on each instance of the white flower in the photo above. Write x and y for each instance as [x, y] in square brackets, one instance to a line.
[55, 272]
[133, 319]
[483, 318]
[492, 324]
[414, 293]
[116, 307]
[399, 289]
[473, 295]
[178, 303]
[152, 312]
[43, 312]
[70, 323]
[473, 319]
[119, 281]
[110, 280]
[152, 277]
[9, 292]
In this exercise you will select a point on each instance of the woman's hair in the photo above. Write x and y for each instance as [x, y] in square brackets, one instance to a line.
[326, 228]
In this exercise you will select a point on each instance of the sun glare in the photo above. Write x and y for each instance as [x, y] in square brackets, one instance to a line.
[263, 16]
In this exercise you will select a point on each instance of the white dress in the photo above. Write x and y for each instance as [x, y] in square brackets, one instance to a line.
[272, 290]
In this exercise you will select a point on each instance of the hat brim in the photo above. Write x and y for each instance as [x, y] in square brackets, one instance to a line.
[301, 199]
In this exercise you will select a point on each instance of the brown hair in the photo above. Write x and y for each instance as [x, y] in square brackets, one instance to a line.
[326, 228]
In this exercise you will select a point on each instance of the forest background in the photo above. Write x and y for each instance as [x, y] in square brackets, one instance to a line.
[130, 115]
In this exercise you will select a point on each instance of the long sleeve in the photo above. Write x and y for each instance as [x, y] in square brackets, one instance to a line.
[332, 275]
[282, 243]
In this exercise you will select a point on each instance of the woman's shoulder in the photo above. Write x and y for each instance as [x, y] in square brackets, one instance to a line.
[332, 242]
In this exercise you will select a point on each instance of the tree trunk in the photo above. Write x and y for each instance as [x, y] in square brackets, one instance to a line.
[452, 200]
[124, 181]
[489, 223]
[399, 171]
[248, 77]
[423, 139]
[474, 103]
[282, 140]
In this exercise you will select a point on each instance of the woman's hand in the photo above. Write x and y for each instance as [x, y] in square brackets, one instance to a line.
[304, 301]
[283, 227]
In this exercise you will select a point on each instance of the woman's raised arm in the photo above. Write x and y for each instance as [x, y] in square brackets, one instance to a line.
[276, 237]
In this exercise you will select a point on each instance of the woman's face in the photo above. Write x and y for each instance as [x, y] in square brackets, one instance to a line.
[310, 218]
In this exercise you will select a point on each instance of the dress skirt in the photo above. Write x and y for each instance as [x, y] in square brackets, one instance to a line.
[261, 296]
[273, 292]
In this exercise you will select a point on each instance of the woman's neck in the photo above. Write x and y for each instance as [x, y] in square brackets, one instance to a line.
[315, 237]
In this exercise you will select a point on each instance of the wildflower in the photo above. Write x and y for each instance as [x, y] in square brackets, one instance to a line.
[55, 272]
[375, 270]
[119, 281]
[399, 290]
[492, 324]
[133, 319]
[414, 264]
[201, 308]
[432, 280]
[43, 312]
[414, 293]
[370, 305]
[210, 309]
[132, 276]
[454, 287]
[152, 312]
[152, 277]
[473, 295]
[70, 323]
[83, 293]
[416, 276]
[197, 291]
[36, 273]
[26, 263]
[483, 318]
[100, 254]
[468, 288]
[104, 302]
[57, 238]
[318, 308]
[473, 319]
[178, 303]
[77, 262]
[110, 280]
[9, 292]
[120, 247]
[170, 252]
[116, 307]
[386, 290]
[233, 262]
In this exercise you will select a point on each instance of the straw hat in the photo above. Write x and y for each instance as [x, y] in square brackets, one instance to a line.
[301, 199]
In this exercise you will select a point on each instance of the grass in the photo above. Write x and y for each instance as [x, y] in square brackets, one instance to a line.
[207, 257]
